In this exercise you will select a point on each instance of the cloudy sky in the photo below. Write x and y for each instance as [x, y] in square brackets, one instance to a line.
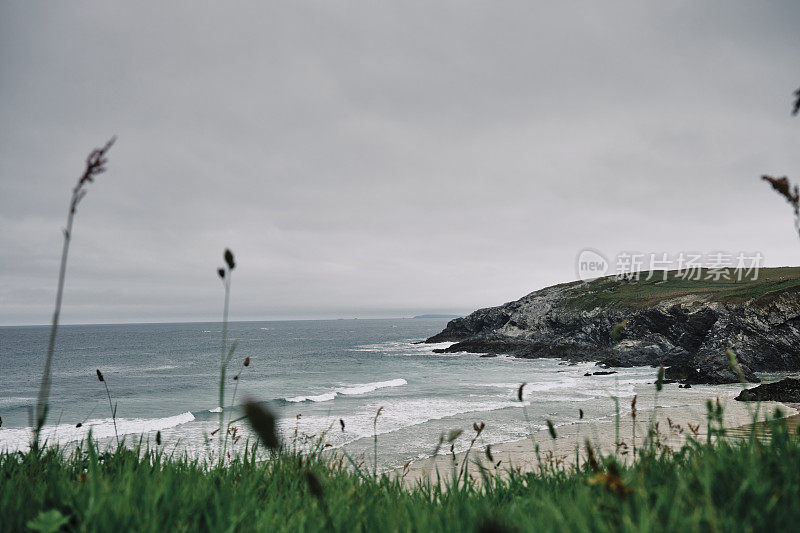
[366, 159]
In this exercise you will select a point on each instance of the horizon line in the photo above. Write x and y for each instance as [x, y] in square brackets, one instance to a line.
[145, 323]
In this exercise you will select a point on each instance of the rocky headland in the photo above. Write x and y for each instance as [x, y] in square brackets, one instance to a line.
[686, 325]
[786, 390]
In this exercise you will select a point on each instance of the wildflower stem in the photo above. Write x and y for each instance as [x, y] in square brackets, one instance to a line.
[222, 361]
[233, 397]
[113, 411]
[95, 164]
[42, 405]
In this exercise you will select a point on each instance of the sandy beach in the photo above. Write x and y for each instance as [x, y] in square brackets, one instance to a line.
[675, 425]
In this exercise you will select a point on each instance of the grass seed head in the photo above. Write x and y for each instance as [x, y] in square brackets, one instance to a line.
[660, 379]
[785, 189]
[454, 434]
[158, 438]
[734, 365]
[796, 108]
[264, 424]
[246, 361]
[732, 362]
[100, 375]
[612, 482]
[616, 333]
[95, 163]
[341, 423]
[229, 259]
[314, 485]
[221, 273]
[551, 429]
[580, 414]
[519, 391]
[593, 464]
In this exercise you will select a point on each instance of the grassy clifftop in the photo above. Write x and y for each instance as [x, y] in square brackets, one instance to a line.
[612, 292]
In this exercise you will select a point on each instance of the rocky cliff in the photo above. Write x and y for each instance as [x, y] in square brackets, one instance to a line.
[687, 325]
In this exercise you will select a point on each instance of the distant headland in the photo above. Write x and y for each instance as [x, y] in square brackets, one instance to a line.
[685, 324]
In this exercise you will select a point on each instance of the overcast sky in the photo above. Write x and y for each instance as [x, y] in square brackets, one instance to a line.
[362, 159]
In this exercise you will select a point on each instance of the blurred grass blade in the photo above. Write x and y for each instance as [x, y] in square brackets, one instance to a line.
[263, 423]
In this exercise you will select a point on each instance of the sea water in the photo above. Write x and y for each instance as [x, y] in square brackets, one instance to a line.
[311, 374]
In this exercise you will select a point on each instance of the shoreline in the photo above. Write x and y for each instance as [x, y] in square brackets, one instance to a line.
[675, 425]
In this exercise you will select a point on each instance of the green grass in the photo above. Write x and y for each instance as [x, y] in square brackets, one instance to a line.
[745, 484]
[610, 292]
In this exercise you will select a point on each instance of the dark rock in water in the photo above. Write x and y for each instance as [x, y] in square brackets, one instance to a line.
[685, 386]
[719, 372]
[488, 355]
[685, 325]
[786, 390]
[601, 373]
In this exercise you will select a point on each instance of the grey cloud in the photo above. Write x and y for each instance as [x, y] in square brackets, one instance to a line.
[374, 160]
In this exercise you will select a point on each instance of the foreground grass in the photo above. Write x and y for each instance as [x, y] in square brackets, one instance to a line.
[745, 484]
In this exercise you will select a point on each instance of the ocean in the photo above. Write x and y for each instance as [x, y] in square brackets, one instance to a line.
[164, 377]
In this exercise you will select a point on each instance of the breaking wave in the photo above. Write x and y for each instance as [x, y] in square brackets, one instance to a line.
[352, 390]
[20, 438]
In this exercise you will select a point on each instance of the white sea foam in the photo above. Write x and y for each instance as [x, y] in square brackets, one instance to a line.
[157, 368]
[17, 401]
[20, 438]
[531, 389]
[403, 348]
[325, 397]
[352, 390]
[215, 410]
[397, 416]
[369, 387]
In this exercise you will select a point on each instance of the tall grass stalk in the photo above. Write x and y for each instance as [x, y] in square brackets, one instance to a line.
[651, 426]
[110, 406]
[617, 442]
[578, 439]
[520, 391]
[478, 430]
[237, 378]
[245, 363]
[633, 424]
[375, 443]
[225, 355]
[736, 368]
[95, 165]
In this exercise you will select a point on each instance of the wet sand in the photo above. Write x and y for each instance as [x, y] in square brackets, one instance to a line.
[792, 423]
[675, 425]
